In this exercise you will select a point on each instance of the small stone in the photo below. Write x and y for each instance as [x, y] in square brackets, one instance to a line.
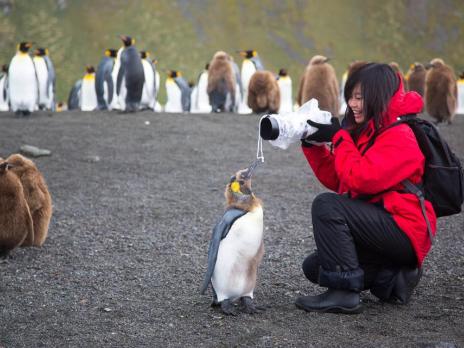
[34, 151]
[106, 309]
[147, 122]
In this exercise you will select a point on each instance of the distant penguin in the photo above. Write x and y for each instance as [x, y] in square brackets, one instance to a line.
[285, 86]
[222, 83]
[158, 107]
[440, 91]
[320, 82]
[22, 81]
[460, 83]
[396, 68]
[104, 86]
[4, 102]
[36, 194]
[342, 94]
[200, 99]
[149, 86]
[250, 64]
[264, 93]
[114, 105]
[46, 79]
[74, 98]
[88, 100]
[416, 78]
[130, 77]
[177, 92]
[15, 218]
[236, 247]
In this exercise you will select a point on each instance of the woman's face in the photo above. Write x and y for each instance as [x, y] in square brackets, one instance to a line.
[356, 104]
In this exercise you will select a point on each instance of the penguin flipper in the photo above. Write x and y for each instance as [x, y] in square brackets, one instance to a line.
[109, 83]
[220, 231]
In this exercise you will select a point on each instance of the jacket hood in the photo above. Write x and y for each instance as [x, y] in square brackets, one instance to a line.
[403, 103]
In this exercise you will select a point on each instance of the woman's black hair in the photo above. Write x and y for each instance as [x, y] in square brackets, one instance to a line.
[378, 85]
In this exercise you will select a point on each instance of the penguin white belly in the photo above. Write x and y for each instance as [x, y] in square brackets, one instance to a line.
[114, 74]
[202, 97]
[22, 83]
[3, 96]
[122, 95]
[148, 92]
[88, 95]
[241, 250]
[460, 109]
[42, 79]
[194, 101]
[286, 102]
[174, 95]
[248, 69]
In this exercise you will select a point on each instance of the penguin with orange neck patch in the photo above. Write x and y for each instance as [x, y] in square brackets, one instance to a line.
[236, 247]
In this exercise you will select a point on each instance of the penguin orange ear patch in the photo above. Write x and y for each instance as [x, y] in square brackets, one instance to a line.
[235, 187]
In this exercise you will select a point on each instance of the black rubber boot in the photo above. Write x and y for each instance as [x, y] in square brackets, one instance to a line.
[331, 301]
[406, 281]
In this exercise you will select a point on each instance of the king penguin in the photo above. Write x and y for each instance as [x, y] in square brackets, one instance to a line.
[4, 88]
[22, 81]
[130, 77]
[74, 98]
[149, 86]
[251, 63]
[199, 101]
[46, 79]
[104, 86]
[416, 78]
[285, 86]
[222, 83]
[236, 247]
[88, 98]
[460, 84]
[177, 92]
[158, 107]
[114, 74]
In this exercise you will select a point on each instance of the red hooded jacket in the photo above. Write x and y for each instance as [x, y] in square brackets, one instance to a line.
[394, 156]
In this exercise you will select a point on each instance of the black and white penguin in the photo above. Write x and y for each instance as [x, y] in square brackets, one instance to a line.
[222, 85]
[177, 92]
[236, 247]
[104, 86]
[285, 86]
[88, 100]
[149, 86]
[4, 88]
[74, 98]
[131, 77]
[114, 105]
[46, 78]
[199, 99]
[22, 81]
[250, 64]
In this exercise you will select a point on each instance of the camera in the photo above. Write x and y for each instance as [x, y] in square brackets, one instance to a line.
[284, 129]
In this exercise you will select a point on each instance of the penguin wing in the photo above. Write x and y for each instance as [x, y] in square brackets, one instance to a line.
[51, 75]
[73, 100]
[257, 62]
[121, 72]
[220, 231]
[154, 75]
[109, 82]
[185, 92]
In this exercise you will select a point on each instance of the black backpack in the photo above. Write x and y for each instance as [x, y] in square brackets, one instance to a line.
[443, 181]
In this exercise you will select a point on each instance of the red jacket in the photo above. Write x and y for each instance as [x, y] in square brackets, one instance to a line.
[394, 156]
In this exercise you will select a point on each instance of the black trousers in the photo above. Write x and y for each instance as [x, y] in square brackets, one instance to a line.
[356, 241]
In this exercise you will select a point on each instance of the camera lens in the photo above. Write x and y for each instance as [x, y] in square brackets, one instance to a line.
[269, 128]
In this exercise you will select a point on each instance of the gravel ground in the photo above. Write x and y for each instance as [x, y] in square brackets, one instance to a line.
[135, 198]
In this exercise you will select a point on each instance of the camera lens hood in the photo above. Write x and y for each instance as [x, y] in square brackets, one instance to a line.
[269, 128]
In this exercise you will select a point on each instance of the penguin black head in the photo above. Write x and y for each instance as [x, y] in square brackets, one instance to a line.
[248, 54]
[40, 52]
[173, 74]
[5, 68]
[111, 52]
[283, 72]
[24, 46]
[238, 191]
[207, 66]
[461, 75]
[89, 69]
[144, 54]
[127, 40]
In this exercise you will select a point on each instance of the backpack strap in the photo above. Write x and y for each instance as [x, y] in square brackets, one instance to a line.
[420, 195]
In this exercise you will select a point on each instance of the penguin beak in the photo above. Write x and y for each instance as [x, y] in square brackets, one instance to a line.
[248, 173]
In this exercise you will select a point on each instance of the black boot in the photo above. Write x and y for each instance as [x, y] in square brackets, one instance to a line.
[396, 286]
[331, 301]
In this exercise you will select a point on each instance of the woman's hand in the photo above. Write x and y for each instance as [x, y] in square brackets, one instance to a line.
[325, 132]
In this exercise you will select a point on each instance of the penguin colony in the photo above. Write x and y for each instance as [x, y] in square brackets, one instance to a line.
[128, 80]
[25, 204]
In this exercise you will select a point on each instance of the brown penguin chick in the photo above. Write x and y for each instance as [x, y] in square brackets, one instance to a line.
[37, 196]
[320, 82]
[396, 67]
[355, 66]
[15, 217]
[416, 78]
[263, 92]
[440, 91]
[239, 195]
[221, 82]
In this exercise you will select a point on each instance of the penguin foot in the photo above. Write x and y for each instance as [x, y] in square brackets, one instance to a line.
[249, 306]
[228, 307]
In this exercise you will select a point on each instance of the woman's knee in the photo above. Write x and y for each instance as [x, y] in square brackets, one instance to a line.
[324, 203]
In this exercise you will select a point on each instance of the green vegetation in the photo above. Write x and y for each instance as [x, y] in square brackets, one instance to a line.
[184, 34]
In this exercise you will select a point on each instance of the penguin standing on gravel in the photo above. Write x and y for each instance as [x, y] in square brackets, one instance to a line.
[130, 77]
[416, 78]
[177, 92]
[4, 88]
[264, 93]
[22, 81]
[88, 95]
[251, 63]
[236, 247]
[104, 86]
[199, 101]
[285, 86]
[222, 83]
[149, 86]
[46, 79]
